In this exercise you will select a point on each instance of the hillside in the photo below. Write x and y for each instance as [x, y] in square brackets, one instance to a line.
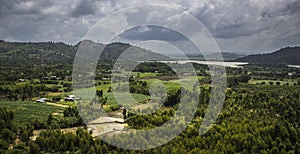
[288, 55]
[16, 53]
[29, 54]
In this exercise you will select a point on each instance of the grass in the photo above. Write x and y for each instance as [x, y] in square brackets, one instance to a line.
[53, 94]
[71, 104]
[201, 77]
[143, 75]
[105, 87]
[26, 112]
[174, 84]
[137, 97]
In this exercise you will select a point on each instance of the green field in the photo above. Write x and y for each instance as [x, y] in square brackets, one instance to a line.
[25, 112]
[137, 97]
[174, 84]
[143, 75]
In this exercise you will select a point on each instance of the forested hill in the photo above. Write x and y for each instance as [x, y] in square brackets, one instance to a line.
[16, 53]
[30, 54]
[288, 55]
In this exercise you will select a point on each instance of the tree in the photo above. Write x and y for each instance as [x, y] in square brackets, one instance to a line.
[274, 150]
[34, 149]
[3, 144]
[50, 119]
[297, 148]
[7, 135]
[244, 78]
[91, 150]
[124, 113]
[103, 101]
[99, 93]
[109, 89]
[56, 98]
[173, 97]
[25, 133]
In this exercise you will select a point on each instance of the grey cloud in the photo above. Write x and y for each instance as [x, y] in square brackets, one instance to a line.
[241, 25]
[293, 7]
[237, 30]
[152, 33]
[22, 7]
[235, 19]
[41, 20]
[84, 7]
[244, 18]
[25, 28]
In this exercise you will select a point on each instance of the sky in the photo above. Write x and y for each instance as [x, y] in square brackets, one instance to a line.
[237, 26]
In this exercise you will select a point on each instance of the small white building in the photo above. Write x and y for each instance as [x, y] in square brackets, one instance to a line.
[41, 100]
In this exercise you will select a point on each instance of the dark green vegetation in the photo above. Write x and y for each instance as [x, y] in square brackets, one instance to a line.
[31, 54]
[288, 55]
[260, 118]
[257, 120]
[28, 54]
[16, 133]
[260, 113]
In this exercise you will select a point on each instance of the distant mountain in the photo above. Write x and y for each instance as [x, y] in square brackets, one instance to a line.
[28, 54]
[288, 55]
[215, 56]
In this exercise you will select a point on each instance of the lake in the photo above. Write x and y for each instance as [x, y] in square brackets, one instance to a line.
[219, 63]
[294, 66]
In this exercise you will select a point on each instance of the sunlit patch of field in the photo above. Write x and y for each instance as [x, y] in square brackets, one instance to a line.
[55, 94]
[143, 75]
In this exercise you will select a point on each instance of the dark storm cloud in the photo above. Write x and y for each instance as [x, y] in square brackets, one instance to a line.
[41, 20]
[84, 7]
[22, 7]
[235, 19]
[236, 30]
[236, 24]
[246, 18]
[293, 7]
[152, 33]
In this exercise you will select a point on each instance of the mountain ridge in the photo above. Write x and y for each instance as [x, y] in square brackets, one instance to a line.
[31, 53]
[213, 56]
[287, 55]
